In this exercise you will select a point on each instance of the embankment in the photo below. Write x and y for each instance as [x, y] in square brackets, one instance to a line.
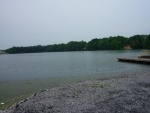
[128, 94]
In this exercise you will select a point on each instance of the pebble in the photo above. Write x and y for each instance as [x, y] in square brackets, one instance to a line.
[117, 95]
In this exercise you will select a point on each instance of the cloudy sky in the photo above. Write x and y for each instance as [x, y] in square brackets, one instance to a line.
[34, 22]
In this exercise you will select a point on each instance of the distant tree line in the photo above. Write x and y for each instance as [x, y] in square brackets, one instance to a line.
[111, 43]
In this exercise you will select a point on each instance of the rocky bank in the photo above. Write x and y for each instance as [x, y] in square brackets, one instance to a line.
[128, 94]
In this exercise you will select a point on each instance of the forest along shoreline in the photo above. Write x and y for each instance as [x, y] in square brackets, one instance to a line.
[110, 43]
[119, 94]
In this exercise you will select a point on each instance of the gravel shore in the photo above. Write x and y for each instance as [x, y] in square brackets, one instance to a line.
[127, 94]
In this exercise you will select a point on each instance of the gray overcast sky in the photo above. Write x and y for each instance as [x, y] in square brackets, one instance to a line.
[34, 22]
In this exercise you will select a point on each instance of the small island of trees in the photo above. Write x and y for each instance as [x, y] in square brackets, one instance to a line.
[110, 43]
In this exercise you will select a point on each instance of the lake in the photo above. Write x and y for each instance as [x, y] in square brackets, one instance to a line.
[66, 64]
[24, 74]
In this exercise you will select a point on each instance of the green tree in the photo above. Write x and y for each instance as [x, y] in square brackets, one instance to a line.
[136, 42]
[147, 42]
[93, 44]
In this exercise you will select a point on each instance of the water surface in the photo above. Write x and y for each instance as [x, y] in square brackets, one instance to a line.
[24, 74]
[66, 64]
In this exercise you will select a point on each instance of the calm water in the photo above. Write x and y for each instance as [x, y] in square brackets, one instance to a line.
[67, 64]
[22, 75]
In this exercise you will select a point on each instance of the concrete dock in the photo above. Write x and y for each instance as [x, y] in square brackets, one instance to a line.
[135, 60]
[144, 56]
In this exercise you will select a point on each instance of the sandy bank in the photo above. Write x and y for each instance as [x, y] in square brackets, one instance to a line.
[117, 95]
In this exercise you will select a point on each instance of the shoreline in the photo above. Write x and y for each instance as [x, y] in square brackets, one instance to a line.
[117, 94]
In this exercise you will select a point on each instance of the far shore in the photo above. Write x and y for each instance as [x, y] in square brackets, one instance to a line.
[124, 94]
[2, 52]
